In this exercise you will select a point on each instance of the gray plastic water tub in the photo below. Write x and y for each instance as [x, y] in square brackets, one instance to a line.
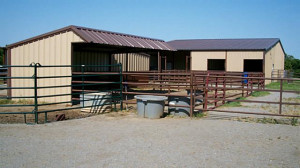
[182, 101]
[179, 111]
[150, 106]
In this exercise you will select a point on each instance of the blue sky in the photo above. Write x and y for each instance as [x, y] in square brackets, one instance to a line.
[164, 19]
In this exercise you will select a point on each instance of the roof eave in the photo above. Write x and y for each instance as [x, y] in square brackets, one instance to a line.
[39, 37]
[221, 49]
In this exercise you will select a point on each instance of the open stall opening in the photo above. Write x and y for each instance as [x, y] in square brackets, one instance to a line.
[253, 65]
[216, 64]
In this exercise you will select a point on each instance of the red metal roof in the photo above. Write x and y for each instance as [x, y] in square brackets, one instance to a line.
[225, 44]
[105, 37]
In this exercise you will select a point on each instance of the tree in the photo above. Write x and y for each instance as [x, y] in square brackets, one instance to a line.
[291, 63]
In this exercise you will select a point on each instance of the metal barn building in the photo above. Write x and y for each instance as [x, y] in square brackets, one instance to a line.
[234, 55]
[74, 45]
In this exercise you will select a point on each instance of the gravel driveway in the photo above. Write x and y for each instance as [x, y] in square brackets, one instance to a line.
[128, 141]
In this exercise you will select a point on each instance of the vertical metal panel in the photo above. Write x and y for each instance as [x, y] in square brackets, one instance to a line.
[53, 50]
[136, 61]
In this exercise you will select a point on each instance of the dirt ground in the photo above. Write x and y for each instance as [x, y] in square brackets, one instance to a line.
[19, 118]
[123, 140]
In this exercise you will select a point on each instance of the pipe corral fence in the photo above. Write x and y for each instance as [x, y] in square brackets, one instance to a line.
[206, 90]
[31, 91]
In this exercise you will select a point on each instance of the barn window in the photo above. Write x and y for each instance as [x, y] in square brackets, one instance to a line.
[253, 65]
[216, 64]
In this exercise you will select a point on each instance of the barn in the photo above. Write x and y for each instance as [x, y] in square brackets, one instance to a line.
[75, 45]
[233, 55]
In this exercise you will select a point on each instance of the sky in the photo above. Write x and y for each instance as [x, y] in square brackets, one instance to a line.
[161, 19]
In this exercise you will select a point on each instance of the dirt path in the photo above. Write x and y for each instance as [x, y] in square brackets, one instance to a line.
[127, 141]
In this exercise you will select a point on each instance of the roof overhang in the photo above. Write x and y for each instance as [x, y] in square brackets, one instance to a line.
[89, 35]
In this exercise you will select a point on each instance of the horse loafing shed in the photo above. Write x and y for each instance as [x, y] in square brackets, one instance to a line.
[74, 45]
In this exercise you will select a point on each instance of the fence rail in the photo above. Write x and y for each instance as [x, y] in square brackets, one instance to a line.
[206, 90]
[213, 89]
[27, 88]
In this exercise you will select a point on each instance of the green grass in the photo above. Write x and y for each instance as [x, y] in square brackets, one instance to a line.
[21, 101]
[234, 103]
[265, 120]
[294, 122]
[294, 86]
[260, 94]
[199, 115]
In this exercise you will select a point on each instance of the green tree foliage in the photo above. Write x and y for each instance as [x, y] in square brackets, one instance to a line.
[291, 63]
[1, 56]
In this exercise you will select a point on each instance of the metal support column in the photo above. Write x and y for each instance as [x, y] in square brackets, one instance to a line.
[35, 95]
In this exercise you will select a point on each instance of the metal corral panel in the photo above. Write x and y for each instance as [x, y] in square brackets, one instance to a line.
[136, 61]
[199, 58]
[274, 56]
[235, 59]
[52, 50]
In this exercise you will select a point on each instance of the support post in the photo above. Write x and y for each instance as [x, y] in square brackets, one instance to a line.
[242, 86]
[191, 95]
[159, 69]
[216, 92]
[224, 90]
[126, 62]
[165, 57]
[82, 81]
[159, 62]
[280, 98]
[121, 88]
[206, 91]
[35, 95]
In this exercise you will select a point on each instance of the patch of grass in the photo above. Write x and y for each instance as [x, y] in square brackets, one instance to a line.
[295, 86]
[265, 120]
[234, 103]
[294, 121]
[260, 94]
[199, 115]
[21, 101]
[5, 101]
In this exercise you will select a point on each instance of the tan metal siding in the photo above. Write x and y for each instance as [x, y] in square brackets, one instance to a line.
[136, 61]
[199, 58]
[53, 50]
[235, 59]
[274, 56]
